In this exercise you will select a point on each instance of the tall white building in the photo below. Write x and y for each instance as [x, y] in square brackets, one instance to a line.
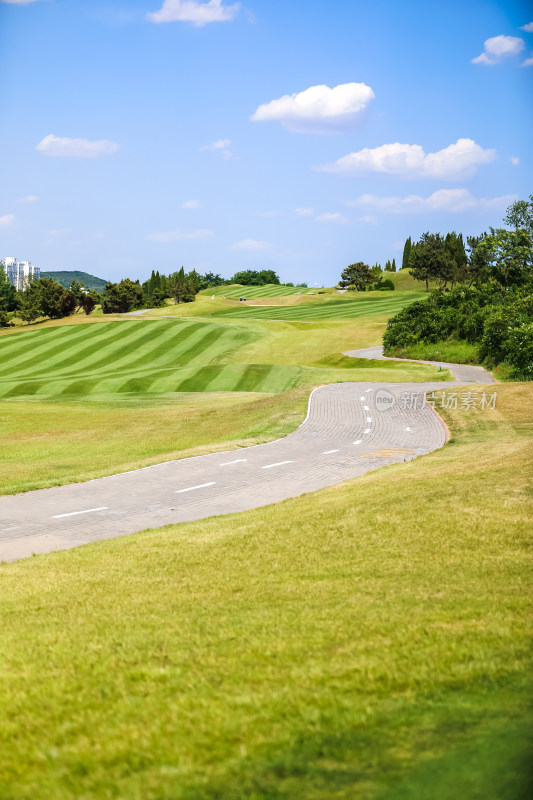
[19, 272]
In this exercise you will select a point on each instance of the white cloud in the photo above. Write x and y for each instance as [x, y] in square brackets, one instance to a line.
[528, 27]
[515, 161]
[528, 62]
[410, 160]
[443, 200]
[304, 212]
[6, 220]
[318, 109]
[192, 11]
[499, 47]
[222, 146]
[192, 205]
[332, 217]
[76, 148]
[250, 244]
[179, 235]
[29, 199]
[368, 219]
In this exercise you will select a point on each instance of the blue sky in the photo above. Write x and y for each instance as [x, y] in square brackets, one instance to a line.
[141, 134]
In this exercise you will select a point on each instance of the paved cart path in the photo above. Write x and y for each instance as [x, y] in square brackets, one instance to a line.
[351, 429]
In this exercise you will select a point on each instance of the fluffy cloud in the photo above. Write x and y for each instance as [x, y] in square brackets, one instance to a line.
[76, 148]
[528, 28]
[528, 62]
[192, 11]
[29, 199]
[319, 108]
[250, 244]
[6, 220]
[191, 205]
[410, 160]
[499, 47]
[304, 212]
[179, 235]
[221, 146]
[515, 161]
[443, 200]
[332, 217]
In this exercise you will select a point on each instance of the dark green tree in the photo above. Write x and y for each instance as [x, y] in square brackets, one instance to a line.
[181, 288]
[88, 302]
[29, 302]
[356, 277]
[4, 319]
[119, 298]
[406, 253]
[478, 260]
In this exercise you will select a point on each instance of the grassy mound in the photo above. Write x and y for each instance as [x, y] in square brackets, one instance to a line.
[371, 640]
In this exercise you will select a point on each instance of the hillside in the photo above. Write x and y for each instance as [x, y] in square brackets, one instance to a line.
[65, 278]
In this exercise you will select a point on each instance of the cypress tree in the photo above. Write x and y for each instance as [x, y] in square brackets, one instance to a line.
[406, 253]
[393, 265]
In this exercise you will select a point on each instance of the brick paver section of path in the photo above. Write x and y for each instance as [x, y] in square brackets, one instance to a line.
[351, 429]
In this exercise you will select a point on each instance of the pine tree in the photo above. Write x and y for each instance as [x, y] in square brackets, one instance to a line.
[393, 265]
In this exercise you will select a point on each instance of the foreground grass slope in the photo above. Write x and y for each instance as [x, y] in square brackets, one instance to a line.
[371, 640]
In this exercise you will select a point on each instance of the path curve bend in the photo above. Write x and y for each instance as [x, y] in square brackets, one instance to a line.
[350, 429]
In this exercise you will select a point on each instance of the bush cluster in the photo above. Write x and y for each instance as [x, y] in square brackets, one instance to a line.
[499, 321]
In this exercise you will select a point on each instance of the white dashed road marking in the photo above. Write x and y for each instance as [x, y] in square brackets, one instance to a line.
[369, 419]
[327, 452]
[367, 430]
[191, 488]
[358, 441]
[237, 461]
[74, 513]
[277, 464]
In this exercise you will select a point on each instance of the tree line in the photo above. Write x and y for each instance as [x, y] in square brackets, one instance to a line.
[47, 298]
[484, 296]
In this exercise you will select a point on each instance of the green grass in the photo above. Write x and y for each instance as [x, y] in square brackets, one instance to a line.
[85, 400]
[156, 357]
[371, 640]
[329, 307]
[452, 351]
[234, 292]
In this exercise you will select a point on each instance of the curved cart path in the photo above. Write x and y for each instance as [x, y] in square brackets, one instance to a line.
[350, 429]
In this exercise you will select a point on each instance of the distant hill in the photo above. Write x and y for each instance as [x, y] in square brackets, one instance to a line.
[65, 278]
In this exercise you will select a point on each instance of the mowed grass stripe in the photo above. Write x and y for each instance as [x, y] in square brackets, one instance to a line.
[65, 355]
[123, 343]
[125, 348]
[314, 311]
[111, 384]
[269, 290]
[55, 341]
[83, 360]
